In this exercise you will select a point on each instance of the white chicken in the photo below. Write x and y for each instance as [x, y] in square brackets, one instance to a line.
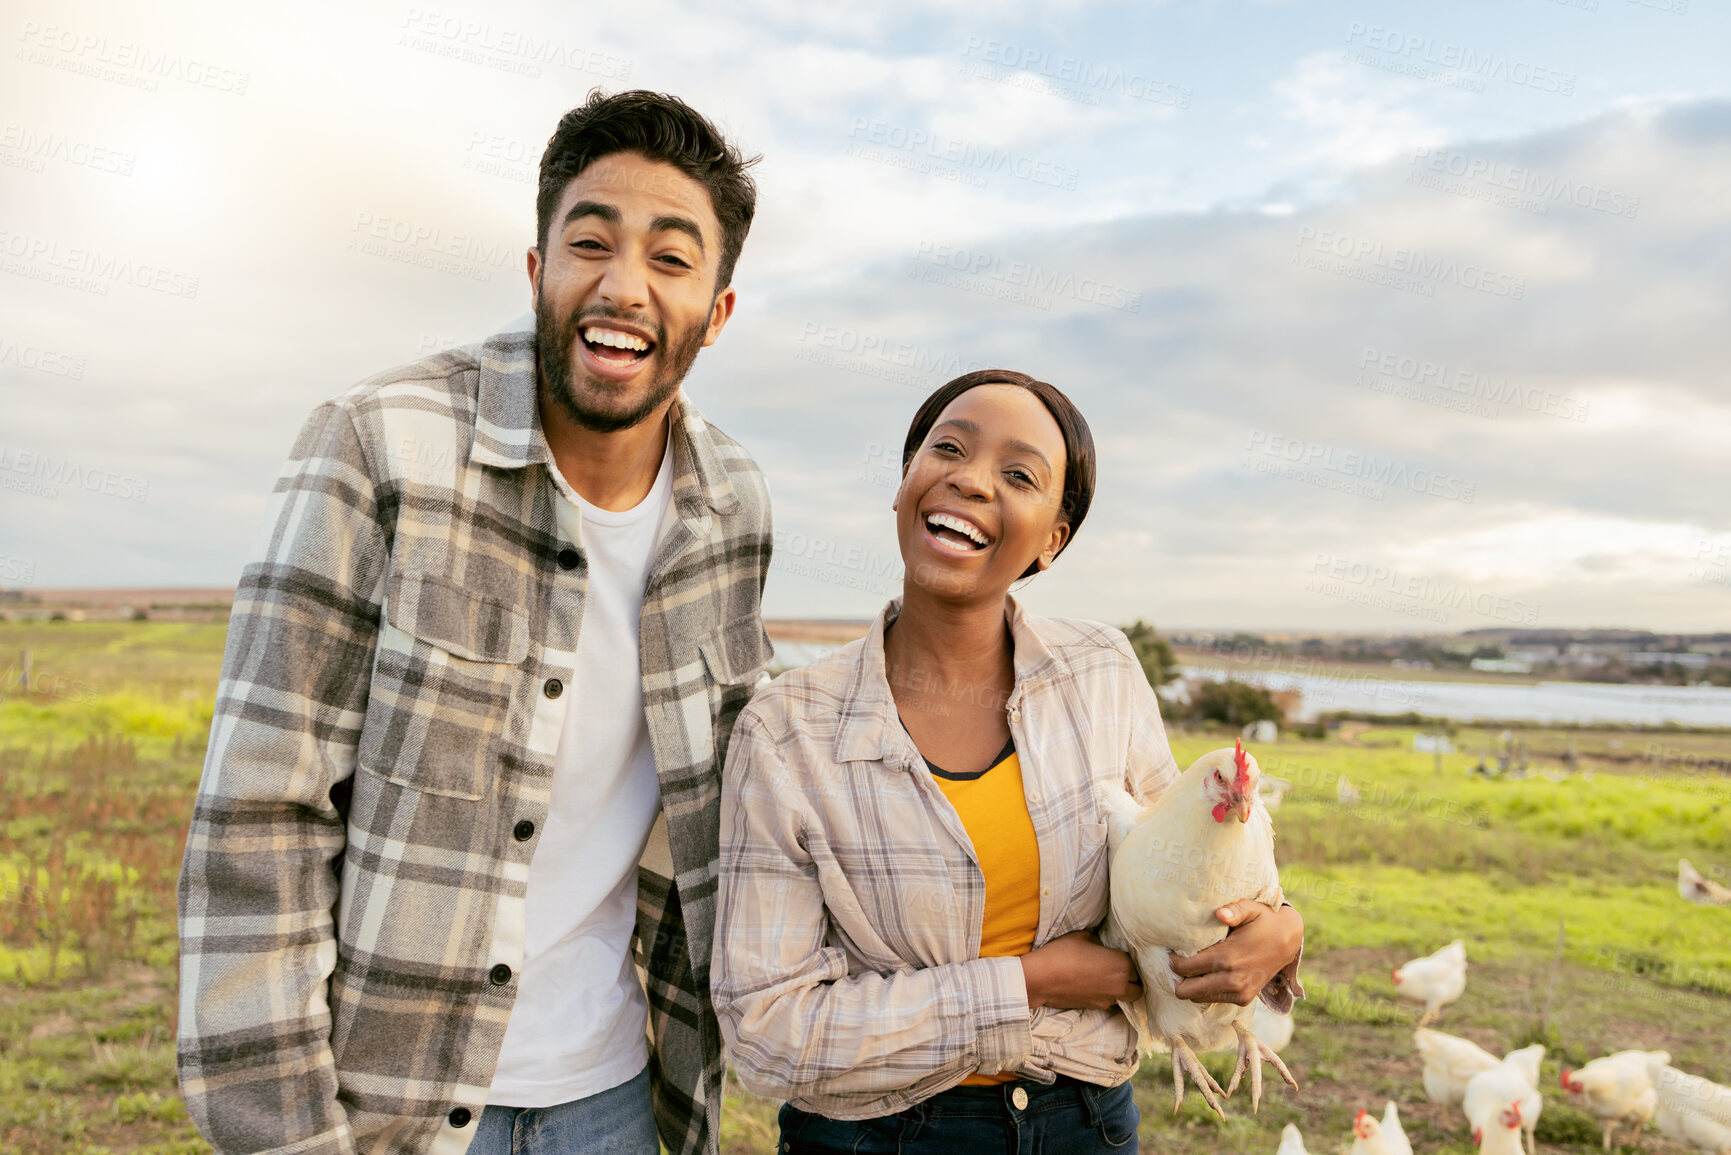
[1617, 1089]
[1500, 1134]
[1205, 842]
[1435, 980]
[1528, 1060]
[1696, 887]
[1511, 1084]
[1393, 1133]
[1450, 1062]
[1691, 1109]
[1291, 1142]
[1271, 1028]
[1346, 792]
[1273, 792]
[1388, 1137]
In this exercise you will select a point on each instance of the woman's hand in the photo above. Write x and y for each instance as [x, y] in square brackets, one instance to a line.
[1262, 942]
[1074, 972]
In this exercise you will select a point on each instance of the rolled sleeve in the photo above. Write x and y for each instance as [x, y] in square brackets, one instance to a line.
[997, 1012]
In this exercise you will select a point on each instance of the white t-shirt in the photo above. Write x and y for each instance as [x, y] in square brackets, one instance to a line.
[578, 1024]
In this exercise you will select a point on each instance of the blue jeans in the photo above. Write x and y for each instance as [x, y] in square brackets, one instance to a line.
[618, 1121]
[1069, 1117]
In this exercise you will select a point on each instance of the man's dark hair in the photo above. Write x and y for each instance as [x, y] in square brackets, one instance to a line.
[1078, 439]
[659, 127]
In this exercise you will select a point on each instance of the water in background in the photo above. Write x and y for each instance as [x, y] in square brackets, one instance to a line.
[1584, 702]
[1581, 702]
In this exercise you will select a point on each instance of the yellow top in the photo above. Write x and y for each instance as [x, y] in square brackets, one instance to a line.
[994, 812]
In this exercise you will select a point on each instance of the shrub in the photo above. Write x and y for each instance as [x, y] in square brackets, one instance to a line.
[1153, 651]
[1234, 703]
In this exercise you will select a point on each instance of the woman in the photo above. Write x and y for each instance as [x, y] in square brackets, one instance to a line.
[913, 855]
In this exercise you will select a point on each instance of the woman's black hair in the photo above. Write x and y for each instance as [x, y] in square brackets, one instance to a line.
[1078, 440]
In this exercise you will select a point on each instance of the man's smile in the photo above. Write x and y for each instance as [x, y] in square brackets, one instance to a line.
[614, 351]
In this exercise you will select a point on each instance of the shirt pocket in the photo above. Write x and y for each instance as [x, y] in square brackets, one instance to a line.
[1088, 887]
[444, 674]
[734, 655]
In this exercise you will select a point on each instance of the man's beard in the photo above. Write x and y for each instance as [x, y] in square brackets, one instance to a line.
[597, 405]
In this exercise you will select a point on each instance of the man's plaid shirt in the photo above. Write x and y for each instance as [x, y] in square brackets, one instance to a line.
[352, 899]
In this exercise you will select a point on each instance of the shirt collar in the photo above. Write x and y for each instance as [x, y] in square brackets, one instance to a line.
[869, 723]
[508, 432]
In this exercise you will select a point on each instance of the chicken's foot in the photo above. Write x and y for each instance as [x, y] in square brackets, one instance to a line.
[1248, 1057]
[1252, 1051]
[1185, 1062]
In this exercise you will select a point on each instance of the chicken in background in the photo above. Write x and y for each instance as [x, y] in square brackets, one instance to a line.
[1618, 1090]
[1207, 841]
[1450, 1062]
[1528, 1060]
[1695, 887]
[1511, 1084]
[1501, 1133]
[1393, 1133]
[1346, 792]
[1291, 1142]
[1690, 1109]
[1273, 792]
[1273, 1029]
[1435, 980]
[1388, 1137]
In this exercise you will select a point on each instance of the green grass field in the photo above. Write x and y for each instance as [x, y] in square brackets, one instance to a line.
[1563, 889]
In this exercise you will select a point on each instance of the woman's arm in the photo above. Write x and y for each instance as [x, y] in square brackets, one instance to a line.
[795, 1022]
[1262, 948]
[1074, 972]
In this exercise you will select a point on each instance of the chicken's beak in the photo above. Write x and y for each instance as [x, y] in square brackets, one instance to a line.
[1241, 807]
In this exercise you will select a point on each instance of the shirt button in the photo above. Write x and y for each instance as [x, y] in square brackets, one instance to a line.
[523, 831]
[460, 1117]
[553, 688]
[568, 559]
[1045, 892]
[1020, 1098]
[500, 975]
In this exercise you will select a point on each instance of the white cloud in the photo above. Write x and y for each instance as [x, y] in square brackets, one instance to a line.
[1198, 210]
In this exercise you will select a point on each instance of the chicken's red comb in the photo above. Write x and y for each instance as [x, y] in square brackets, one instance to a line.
[1242, 761]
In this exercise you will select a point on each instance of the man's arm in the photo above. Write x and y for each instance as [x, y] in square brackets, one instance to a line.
[259, 883]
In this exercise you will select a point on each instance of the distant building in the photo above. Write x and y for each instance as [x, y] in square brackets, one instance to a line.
[1501, 666]
[1687, 661]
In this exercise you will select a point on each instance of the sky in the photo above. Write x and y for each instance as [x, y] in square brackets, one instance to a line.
[1386, 316]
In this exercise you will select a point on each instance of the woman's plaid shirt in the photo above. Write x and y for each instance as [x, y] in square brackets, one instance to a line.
[352, 899]
[847, 972]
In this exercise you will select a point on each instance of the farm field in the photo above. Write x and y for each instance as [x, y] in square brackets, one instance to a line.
[1563, 885]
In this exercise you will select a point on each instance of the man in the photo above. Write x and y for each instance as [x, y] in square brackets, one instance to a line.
[464, 772]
